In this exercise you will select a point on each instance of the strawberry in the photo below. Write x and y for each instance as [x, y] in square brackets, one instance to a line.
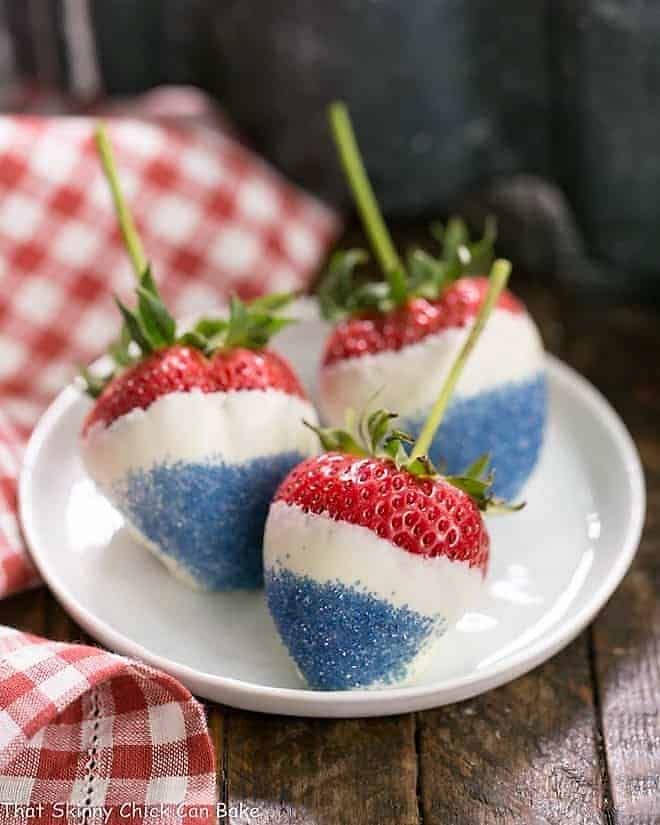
[190, 434]
[175, 369]
[370, 553]
[396, 338]
[428, 517]
[180, 368]
[373, 332]
[246, 369]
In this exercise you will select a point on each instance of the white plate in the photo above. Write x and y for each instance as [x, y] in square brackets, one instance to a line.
[553, 566]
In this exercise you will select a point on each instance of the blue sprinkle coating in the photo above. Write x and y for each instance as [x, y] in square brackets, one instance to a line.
[507, 422]
[207, 516]
[343, 638]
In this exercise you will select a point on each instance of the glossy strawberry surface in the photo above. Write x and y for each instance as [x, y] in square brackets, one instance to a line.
[425, 516]
[182, 369]
[246, 369]
[377, 332]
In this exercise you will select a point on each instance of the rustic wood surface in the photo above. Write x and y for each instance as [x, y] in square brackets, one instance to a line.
[575, 741]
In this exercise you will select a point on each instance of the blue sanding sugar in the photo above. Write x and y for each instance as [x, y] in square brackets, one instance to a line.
[507, 423]
[207, 516]
[341, 637]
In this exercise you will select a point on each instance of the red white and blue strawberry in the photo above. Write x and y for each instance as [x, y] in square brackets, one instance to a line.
[190, 435]
[396, 340]
[370, 554]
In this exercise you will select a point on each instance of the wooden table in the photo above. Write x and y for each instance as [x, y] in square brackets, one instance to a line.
[575, 741]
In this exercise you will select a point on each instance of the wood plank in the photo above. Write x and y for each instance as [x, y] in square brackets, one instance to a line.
[619, 351]
[627, 648]
[60, 626]
[215, 715]
[26, 611]
[525, 753]
[305, 771]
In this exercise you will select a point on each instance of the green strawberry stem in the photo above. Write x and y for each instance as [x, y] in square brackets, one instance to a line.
[363, 194]
[499, 275]
[128, 230]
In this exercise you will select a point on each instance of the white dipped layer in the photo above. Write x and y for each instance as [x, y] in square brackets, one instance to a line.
[409, 380]
[326, 550]
[194, 426]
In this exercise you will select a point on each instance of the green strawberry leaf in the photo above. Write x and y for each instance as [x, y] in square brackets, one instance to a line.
[272, 302]
[337, 289]
[374, 435]
[427, 274]
[421, 467]
[482, 251]
[251, 325]
[394, 449]
[453, 237]
[134, 326]
[150, 327]
[237, 327]
[337, 440]
[479, 467]
[497, 507]
[342, 294]
[194, 339]
[374, 295]
[378, 426]
[147, 282]
[474, 487]
[156, 320]
[211, 327]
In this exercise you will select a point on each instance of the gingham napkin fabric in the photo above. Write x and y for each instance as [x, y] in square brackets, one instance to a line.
[89, 737]
[214, 220]
[16, 569]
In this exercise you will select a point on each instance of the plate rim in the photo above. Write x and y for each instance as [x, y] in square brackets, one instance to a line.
[306, 702]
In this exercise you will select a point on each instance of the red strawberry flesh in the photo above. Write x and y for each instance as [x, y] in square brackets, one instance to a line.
[246, 369]
[409, 324]
[183, 369]
[424, 516]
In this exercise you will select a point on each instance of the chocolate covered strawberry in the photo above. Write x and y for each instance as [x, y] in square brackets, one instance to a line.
[190, 434]
[395, 341]
[370, 554]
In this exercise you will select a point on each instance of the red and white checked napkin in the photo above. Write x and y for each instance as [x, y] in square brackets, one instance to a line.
[89, 737]
[114, 740]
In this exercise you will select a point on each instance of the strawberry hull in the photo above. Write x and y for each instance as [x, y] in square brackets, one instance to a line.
[354, 610]
[499, 404]
[193, 475]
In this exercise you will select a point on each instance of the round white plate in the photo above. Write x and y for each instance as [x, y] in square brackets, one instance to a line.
[553, 565]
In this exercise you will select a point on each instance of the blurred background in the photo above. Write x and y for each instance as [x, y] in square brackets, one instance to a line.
[542, 112]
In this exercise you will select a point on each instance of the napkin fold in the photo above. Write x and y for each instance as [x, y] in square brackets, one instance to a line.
[214, 218]
[89, 737]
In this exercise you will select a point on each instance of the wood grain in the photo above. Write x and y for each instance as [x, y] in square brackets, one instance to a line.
[525, 753]
[216, 715]
[27, 611]
[619, 349]
[313, 771]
